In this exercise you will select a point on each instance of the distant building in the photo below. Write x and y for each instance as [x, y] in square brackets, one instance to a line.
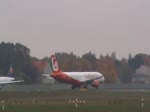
[142, 75]
[141, 78]
[43, 67]
[40, 65]
[143, 70]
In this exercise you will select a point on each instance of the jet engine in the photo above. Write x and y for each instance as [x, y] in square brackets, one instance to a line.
[95, 83]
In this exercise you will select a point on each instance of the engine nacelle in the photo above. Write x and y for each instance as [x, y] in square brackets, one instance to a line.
[95, 83]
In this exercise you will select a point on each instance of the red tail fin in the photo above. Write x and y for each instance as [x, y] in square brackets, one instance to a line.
[55, 66]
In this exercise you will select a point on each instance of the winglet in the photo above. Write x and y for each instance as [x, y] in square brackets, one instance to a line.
[10, 71]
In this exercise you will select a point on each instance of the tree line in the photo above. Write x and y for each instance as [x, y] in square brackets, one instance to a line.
[113, 69]
[19, 56]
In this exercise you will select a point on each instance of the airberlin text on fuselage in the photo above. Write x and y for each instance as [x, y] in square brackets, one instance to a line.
[91, 76]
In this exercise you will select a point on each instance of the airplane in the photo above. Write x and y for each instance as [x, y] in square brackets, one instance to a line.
[76, 79]
[8, 79]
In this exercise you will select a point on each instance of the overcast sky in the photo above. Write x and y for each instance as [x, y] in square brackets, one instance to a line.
[80, 26]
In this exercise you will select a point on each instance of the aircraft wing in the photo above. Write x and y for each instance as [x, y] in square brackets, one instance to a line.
[10, 82]
[47, 76]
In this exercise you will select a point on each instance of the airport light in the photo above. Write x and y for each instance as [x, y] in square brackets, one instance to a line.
[142, 102]
[3, 105]
[76, 102]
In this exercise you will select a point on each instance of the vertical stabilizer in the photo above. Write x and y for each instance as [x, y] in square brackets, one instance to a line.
[10, 71]
[55, 66]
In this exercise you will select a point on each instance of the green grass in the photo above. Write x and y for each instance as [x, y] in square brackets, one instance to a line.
[57, 101]
[80, 108]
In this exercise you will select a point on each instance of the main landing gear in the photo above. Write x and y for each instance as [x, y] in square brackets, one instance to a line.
[73, 87]
[81, 88]
[85, 87]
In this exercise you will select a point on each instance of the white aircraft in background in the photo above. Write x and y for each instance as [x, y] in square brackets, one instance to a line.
[8, 79]
[76, 79]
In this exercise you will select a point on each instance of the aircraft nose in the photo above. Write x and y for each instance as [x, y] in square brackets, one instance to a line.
[103, 79]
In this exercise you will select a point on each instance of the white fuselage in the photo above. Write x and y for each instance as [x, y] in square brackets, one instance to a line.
[85, 76]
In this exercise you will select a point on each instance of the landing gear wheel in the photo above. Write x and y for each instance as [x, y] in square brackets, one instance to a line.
[85, 87]
[73, 87]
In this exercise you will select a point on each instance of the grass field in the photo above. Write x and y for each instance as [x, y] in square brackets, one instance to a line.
[58, 101]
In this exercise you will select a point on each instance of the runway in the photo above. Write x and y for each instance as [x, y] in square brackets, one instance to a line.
[103, 87]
